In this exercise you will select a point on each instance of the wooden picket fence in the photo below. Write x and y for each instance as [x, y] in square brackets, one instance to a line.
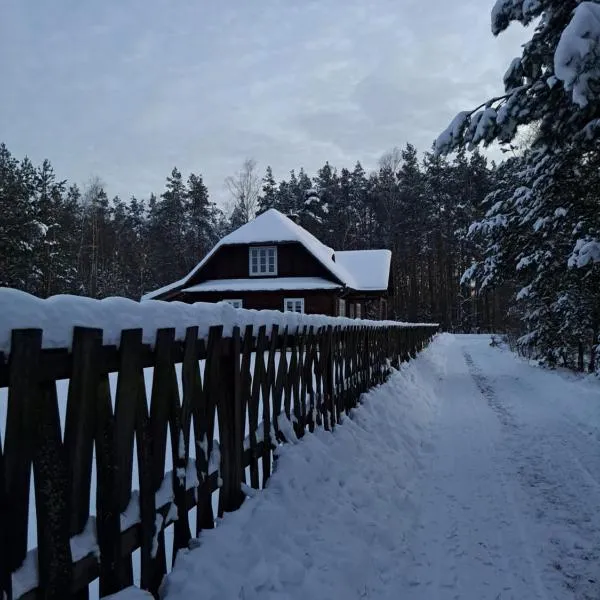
[300, 379]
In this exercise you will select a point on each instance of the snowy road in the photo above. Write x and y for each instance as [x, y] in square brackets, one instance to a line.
[469, 475]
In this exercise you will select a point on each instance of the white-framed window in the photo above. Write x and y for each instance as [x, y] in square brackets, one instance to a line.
[262, 260]
[358, 311]
[237, 303]
[341, 307]
[293, 305]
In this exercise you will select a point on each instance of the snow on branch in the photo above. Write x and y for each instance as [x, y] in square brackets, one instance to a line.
[577, 55]
[507, 11]
[586, 252]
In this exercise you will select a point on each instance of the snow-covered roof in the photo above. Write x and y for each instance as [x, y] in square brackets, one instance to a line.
[264, 284]
[272, 227]
[370, 269]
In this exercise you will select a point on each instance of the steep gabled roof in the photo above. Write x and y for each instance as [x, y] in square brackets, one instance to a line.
[370, 269]
[272, 227]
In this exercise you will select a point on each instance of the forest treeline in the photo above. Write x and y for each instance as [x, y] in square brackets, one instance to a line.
[58, 238]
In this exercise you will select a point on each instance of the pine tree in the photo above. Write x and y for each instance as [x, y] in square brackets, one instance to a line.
[268, 198]
[326, 185]
[200, 221]
[18, 226]
[554, 86]
[171, 214]
[51, 273]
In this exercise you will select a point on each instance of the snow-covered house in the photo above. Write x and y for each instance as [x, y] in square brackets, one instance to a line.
[273, 263]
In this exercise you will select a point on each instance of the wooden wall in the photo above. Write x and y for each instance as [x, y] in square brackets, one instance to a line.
[231, 262]
[315, 302]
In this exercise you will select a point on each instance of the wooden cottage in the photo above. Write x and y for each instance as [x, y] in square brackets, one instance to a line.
[273, 263]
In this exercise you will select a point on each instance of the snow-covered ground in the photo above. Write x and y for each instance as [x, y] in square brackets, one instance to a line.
[469, 475]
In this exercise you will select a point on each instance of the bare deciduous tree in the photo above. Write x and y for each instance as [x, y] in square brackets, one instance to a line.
[244, 188]
[392, 159]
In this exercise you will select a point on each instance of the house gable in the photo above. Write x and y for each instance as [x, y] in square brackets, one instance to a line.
[231, 262]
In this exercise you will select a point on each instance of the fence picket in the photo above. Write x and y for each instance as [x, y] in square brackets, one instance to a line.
[253, 407]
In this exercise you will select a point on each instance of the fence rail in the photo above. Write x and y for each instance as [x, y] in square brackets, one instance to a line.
[253, 391]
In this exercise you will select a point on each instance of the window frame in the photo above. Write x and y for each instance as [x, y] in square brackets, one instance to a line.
[255, 251]
[294, 300]
[341, 307]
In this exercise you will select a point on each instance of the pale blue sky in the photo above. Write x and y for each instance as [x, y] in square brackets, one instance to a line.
[126, 90]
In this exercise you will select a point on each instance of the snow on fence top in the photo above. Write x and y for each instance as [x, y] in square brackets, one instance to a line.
[58, 315]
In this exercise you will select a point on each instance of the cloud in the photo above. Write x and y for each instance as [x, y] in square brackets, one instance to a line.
[128, 93]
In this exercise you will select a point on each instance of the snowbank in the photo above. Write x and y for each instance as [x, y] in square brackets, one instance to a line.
[334, 513]
[58, 315]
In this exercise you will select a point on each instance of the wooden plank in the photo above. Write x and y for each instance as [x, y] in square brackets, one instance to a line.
[80, 422]
[128, 383]
[147, 492]
[160, 408]
[308, 379]
[348, 340]
[230, 438]
[246, 386]
[108, 526]
[325, 370]
[318, 372]
[279, 383]
[125, 412]
[179, 452]
[300, 385]
[190, 376]
[51, 495]
[5, 574]
[204, 428]
[267, 384]
[193, 390]
[237, 412]
[253, 407]
[292, 391]
[18, 444]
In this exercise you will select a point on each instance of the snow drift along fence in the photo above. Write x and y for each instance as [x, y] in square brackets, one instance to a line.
[297, 380]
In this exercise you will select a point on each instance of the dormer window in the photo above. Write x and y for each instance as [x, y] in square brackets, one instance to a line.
[263, 260]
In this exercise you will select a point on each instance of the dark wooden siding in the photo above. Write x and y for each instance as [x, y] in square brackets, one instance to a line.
[317, 302]
[231, 262]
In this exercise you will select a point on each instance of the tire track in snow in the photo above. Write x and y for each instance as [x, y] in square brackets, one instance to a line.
[486, 389]
[508, 421]
[554, 486]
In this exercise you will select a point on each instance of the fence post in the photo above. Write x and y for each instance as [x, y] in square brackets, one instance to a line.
[38, 408]
[229, 408]
[329, 383]
[5, 574]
